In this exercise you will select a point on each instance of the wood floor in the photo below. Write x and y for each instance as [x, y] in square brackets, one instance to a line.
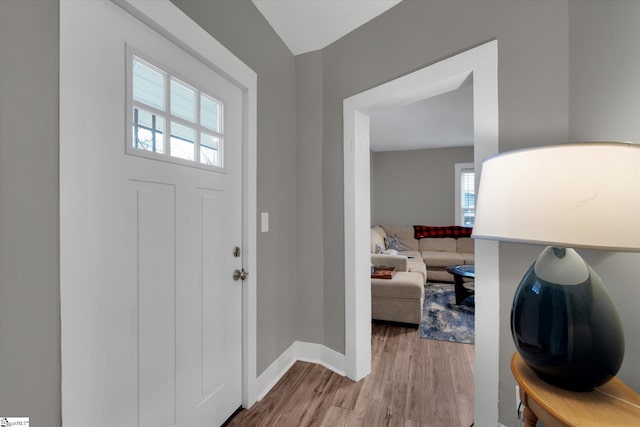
[413, 382]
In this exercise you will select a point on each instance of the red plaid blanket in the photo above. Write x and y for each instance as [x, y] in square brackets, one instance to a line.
[422, 231]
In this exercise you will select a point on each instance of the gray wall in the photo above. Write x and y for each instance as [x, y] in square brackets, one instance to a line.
[29, 257]
[416, 186]
[605, 101]
[242, 29]
[309, 265]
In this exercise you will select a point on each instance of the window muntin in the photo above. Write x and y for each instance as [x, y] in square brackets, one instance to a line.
[162, 104]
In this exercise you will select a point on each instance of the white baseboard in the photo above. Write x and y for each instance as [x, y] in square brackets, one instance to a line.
[303, 351]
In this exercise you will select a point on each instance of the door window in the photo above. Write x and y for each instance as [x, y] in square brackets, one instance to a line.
[162, 104]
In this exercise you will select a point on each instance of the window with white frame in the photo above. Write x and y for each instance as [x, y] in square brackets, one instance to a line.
[465, 194]
[163, 104]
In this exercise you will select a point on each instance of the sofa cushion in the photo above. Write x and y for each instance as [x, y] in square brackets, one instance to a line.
[465, 244]
[405, 235]
[412, 255]
[436, 275]
[377, 239]
[444, 244]
[397, 261]
[468, 258]
[380, 231]
[403, 285]
[441, 259]
[418, 266]
[405, 310]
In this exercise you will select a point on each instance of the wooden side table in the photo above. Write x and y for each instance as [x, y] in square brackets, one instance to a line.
[604, 406]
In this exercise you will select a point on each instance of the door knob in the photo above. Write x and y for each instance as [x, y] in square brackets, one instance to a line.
[240, 274]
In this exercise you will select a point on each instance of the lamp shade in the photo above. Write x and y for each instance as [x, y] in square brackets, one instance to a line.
[581, 195]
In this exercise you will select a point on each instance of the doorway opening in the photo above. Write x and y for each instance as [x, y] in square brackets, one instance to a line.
[481, 65]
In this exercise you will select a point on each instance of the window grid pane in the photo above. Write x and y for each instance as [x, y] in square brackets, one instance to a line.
[148, 85]
[210, 112]
[210, 150]
[467, 180]
[183, 100]
[148, 131]
[182, 141]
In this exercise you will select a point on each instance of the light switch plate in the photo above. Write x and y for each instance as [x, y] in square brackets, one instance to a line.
[264, 219]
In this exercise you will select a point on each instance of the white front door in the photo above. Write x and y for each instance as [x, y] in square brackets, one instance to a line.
[151, 317]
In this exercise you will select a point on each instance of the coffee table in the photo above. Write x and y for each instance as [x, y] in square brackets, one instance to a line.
[463, 289]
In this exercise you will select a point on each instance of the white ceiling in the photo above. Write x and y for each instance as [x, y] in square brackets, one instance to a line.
[440, 121]
[308, 25]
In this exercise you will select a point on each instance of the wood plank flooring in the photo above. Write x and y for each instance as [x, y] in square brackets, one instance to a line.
[414, 382]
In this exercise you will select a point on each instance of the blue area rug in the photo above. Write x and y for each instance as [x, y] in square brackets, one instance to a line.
[442, 319]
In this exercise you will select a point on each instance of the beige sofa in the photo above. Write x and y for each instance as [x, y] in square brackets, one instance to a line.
[429, 256]
[400, 298]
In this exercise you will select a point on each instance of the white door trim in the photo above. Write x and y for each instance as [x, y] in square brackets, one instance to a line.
[169, 21]
[481, 64]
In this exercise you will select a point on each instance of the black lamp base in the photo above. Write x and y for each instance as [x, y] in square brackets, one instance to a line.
[564, 324]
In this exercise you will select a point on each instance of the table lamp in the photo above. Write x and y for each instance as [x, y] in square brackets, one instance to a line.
[578, 195]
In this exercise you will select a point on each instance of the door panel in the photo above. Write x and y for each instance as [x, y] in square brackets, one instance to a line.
[151, 318]
[156, 287]
[213, 307]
